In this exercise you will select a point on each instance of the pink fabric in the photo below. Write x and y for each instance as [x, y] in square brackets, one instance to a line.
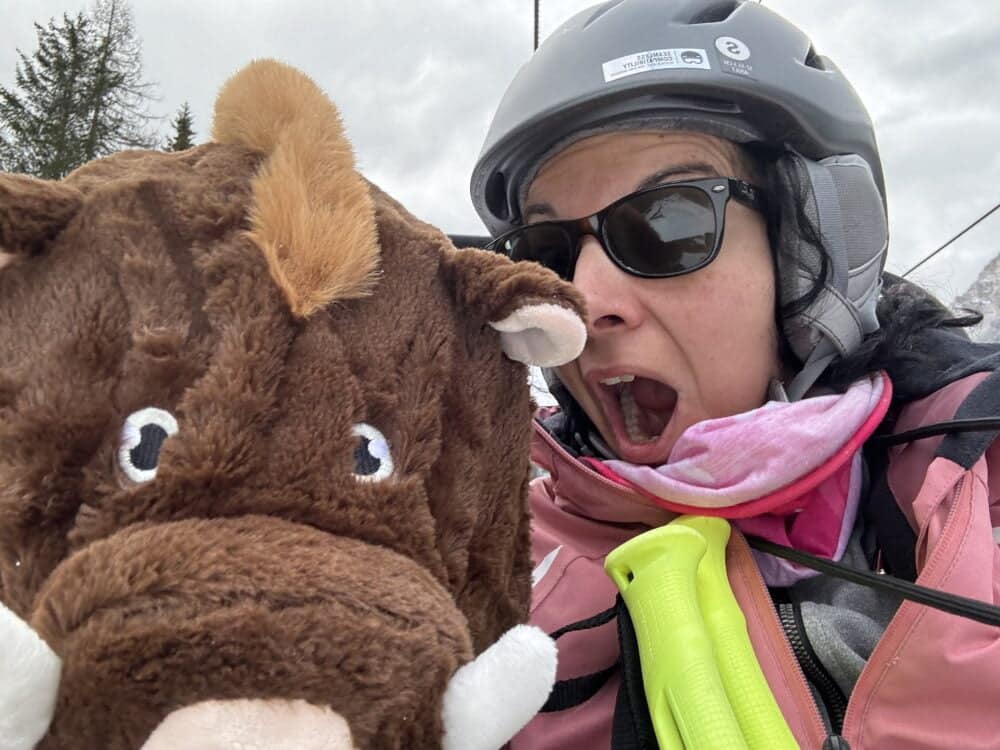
[722, 463]
[823, 527]
[797, 465]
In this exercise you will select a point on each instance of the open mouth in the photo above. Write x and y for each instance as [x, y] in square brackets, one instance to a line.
[639, 409]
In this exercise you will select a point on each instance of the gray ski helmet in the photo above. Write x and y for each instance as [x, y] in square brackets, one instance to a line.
[733, 69]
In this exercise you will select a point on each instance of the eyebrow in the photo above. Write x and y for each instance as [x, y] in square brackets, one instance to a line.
[657, 178]
[690, 168]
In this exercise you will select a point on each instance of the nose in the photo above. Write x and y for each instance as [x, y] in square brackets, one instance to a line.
[612, 302]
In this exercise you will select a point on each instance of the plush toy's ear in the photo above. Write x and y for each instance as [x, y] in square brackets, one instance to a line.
[539, 316]
[32, 213]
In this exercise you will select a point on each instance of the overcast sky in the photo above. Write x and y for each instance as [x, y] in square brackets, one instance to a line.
[417, 82]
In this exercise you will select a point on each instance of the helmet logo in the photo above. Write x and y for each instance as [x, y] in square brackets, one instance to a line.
[732, 48]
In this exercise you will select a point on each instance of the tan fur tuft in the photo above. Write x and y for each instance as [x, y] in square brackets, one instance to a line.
[313, 216]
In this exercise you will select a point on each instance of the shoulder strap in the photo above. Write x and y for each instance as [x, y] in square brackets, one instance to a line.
[969, 435]
[983, 404]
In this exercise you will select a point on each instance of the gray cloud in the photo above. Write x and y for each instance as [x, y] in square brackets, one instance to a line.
[417, 82]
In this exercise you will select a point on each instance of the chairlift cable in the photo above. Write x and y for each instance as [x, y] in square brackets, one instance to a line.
[946, 244]
[536, 23]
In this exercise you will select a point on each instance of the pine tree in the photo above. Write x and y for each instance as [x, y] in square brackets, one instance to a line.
[79, 96]
[183, 126]
[42, 128]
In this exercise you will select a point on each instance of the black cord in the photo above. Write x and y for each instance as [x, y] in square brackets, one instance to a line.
[983, 424]
[972, 609]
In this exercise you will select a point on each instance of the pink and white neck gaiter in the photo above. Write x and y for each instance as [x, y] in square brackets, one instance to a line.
[789, 472]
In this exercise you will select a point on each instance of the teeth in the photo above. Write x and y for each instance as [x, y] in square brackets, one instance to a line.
[618, 379]
[630, 413]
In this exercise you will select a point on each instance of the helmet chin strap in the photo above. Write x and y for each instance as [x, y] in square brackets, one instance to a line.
[821, 358]
[834, 323]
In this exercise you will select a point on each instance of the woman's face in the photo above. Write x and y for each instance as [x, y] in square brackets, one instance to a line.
[700, 346]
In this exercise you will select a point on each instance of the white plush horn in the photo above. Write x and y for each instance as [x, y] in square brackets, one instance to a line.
[29, 683]
[545, 335]
[492, 697]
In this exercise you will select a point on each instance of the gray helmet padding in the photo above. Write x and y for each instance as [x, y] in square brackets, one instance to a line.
[840, 198]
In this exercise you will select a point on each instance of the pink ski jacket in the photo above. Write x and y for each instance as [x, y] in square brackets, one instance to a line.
[933, 679]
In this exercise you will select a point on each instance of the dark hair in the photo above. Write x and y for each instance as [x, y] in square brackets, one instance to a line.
[904, 310]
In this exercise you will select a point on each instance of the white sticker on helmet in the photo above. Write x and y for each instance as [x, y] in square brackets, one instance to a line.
[654, 59]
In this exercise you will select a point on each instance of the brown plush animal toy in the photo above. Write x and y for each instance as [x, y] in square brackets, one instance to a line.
[263, 452]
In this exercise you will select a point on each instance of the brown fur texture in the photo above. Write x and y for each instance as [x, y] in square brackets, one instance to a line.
[43, 209]
[256, 564]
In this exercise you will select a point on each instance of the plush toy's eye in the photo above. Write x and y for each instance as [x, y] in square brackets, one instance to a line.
[372, 458]
[141, 439]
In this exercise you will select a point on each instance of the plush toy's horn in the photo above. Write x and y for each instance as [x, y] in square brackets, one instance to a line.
[29, 683]
[539, 316]
[32, 213]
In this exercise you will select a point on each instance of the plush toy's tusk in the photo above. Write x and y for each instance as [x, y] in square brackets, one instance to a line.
[29, 683]
[545, 335]
[491, 698]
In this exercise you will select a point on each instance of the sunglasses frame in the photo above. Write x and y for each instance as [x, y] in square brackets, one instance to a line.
[718, 189]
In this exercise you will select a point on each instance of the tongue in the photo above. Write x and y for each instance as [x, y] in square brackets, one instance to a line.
[656, 403]
[651, 395]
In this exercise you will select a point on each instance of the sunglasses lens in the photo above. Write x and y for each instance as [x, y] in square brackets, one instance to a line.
[550, 246]
[663, 232]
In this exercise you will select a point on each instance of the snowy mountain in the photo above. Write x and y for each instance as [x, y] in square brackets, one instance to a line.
[984, 296]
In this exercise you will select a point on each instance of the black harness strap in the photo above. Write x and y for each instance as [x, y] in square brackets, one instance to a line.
[571, 693]
[574, 691]
[632, 727]
[595, 621]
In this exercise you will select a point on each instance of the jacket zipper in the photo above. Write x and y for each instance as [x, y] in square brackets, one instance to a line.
[790, 616]
[898, 626]
[777, 635]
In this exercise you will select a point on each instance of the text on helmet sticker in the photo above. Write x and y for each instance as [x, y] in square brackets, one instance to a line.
[654, 59]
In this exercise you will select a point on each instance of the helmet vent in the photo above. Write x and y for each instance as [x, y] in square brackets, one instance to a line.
[695, 103]
[602, 10]
[813, 60]
[496, 196]
[715, 12]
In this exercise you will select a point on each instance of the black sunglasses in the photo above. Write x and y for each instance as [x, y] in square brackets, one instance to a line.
[662, 231]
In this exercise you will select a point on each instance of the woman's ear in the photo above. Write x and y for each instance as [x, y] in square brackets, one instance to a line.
[32, 213]
[539, 316]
